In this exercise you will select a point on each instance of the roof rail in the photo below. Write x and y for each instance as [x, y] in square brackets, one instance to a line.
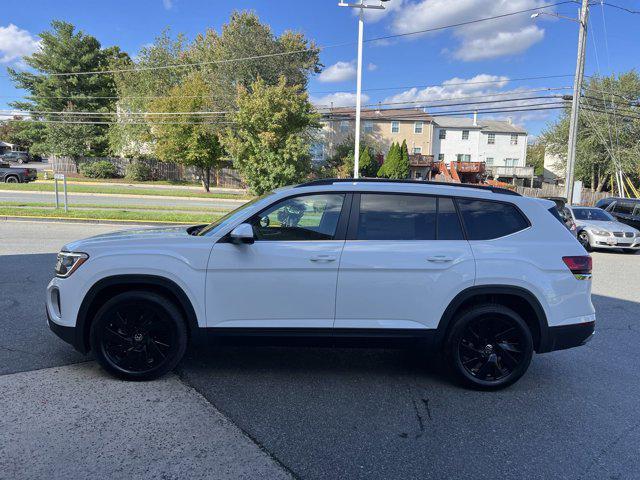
[331, 181]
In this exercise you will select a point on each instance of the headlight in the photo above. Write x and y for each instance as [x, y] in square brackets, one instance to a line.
[601, 233]
[68, 262]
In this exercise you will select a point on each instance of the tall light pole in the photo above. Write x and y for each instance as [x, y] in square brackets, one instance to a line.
[577, 91]
[362, 6]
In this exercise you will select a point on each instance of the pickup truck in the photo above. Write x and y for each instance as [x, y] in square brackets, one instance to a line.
[10, 174]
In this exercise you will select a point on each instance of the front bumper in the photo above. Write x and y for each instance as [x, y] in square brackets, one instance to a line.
[598, 241]
[68, 334]
[568, 336]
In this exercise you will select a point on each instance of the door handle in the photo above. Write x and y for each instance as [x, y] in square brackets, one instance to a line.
[323, 258]
[440, 259]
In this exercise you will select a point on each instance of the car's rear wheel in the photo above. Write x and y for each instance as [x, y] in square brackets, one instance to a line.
[11, 179]
[138, 336]
[583, 238]
[489, 347]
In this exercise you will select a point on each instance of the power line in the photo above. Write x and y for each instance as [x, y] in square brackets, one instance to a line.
[619, 7]
[306, 50]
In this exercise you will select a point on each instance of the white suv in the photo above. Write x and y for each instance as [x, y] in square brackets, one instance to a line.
[484, 274]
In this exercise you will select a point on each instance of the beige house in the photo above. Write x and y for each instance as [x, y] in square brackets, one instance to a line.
[379, 128]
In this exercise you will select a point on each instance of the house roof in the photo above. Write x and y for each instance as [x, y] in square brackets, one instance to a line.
[414, 114]
[489, 126]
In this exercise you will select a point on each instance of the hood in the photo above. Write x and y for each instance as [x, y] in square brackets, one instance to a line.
[610, 226]
[129, 236]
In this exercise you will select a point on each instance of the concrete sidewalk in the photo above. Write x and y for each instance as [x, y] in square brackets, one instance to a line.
[78, 422]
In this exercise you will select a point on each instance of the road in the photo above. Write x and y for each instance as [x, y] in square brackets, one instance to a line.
[214, 204]
[327, 413]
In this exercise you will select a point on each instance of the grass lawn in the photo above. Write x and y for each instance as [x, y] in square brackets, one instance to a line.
[110, 214]
[115, 189]
[93, 206]
[116, 181]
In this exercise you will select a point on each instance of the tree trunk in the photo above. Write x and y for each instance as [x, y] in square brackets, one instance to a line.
[602, 182]
[205, 178]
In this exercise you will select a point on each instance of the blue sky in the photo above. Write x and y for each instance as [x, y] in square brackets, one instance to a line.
[505, 49]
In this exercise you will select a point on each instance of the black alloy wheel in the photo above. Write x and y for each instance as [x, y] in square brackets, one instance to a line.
[583, 238]
[138, 336]
[490, 347]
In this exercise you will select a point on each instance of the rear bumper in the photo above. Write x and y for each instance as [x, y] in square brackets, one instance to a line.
[568, 336]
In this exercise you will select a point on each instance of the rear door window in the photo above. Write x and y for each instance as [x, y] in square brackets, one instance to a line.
[449, 227]
[486, 220]
[396, 217]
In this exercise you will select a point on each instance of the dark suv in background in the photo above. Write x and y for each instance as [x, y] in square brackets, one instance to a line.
[16, 157]
[626, 210]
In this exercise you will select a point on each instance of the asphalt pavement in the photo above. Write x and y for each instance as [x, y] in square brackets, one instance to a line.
[327, 413]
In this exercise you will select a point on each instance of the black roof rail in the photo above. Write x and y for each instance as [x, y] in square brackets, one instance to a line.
[331, 181]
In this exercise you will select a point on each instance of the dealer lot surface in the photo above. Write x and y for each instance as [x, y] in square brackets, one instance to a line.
[271, 412]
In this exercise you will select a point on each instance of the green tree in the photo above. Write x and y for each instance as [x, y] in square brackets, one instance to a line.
[535, 157]
[63, 50]
[191, 141]
[245, 36]
[395, 166]
[269, 141]
[608, 130]
[368, 165]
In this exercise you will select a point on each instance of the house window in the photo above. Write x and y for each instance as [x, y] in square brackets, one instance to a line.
[344, 126]
[491, 139]
[489, 162]
[417, 127]
[368, 126]
[465, 134]
[442, 135]
[417, 150]
[463, 157]
[467, 158]
[514, 139]
[418, 175]
[395, 127]
[441, 157]
[510, 162]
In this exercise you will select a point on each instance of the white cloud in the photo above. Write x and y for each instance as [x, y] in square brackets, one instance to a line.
[338, 72]
[478, 41]
[481, 88]
[16, 43]
[372, 66]
[338, 99]
[167, 4]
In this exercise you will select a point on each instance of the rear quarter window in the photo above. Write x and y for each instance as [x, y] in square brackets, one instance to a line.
[486, 220]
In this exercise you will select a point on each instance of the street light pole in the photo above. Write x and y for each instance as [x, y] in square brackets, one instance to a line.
[362, 6]
[575, 103]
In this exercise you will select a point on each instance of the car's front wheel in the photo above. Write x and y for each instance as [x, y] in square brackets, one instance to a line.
[138, 335]
[489, 347]
[583, 238]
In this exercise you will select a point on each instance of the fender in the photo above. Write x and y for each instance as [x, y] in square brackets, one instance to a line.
[524, 294]
[83, 321]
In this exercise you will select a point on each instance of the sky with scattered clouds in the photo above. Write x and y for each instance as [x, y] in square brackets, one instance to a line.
[480, 60]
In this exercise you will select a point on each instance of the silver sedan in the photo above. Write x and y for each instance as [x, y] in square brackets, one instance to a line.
[599, 229]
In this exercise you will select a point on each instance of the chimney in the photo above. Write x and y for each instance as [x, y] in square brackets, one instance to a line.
[510, 120]
[475, 118]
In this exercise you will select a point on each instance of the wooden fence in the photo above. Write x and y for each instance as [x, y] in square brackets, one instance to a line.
[221, 177]
[588, 197]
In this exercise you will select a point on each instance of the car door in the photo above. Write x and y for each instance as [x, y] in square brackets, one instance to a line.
[287, 277]
[404, 260]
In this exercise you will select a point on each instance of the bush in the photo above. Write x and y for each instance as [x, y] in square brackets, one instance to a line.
[99, 169]
[137, 172]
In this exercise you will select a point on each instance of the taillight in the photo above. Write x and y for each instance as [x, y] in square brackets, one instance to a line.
[580, 266]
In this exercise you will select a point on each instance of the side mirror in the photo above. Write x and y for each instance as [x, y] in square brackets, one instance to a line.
[242, 234]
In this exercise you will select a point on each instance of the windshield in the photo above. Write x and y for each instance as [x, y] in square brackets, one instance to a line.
[592, 214]
[222, 221]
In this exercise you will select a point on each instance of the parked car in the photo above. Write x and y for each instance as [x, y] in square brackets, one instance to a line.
[626, 210]
[17, 175]
[597, 228]
[480, 273]
[16, 157]
[564, 213]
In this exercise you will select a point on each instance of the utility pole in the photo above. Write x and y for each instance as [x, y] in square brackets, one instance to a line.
[575, 103]
[362, 6]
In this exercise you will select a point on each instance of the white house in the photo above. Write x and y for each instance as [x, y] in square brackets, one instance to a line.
[498, 144]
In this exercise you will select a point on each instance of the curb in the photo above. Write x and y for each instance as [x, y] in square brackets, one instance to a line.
[129, 195]
[96, 221]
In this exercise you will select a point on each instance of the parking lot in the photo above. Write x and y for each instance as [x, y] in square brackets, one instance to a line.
[310, 413]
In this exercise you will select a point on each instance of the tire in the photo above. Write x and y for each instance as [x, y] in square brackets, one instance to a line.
[489, 347]
[583, 238]
[11, 179]
[138, 336]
